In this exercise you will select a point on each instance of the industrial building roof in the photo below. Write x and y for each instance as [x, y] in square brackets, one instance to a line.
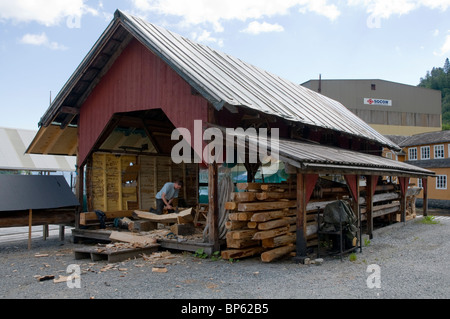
[225, 81]
[13, 144]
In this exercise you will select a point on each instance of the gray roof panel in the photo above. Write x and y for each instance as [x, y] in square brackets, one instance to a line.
[24, 192]
[308, 156]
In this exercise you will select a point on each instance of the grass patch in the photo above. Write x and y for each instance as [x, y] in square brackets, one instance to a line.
[430, 220]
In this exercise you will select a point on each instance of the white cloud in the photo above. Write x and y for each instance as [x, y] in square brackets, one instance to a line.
[46, 12]
[256, 27]
[386, 8]
[320, 7]
[195, 12]
[445, 48]
[41, 40]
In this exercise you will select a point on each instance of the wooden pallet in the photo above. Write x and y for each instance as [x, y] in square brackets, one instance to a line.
[113, 256]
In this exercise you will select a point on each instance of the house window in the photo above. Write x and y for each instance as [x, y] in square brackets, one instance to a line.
[412, 154]
[419, 183]
[439, 151]
[441, 182]
[373, 87]
[425, 152]
[389, 155]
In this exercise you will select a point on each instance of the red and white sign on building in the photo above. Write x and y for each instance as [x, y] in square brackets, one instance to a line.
[382, 102]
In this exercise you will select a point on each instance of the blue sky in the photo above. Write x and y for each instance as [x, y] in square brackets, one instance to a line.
[43, 41]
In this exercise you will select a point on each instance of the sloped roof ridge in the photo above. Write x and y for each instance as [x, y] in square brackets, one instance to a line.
[426, 138]
[224, 79]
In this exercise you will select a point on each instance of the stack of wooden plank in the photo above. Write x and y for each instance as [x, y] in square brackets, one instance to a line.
[262, 221]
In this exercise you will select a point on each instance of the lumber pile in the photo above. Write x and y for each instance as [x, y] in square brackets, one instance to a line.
[262, 221]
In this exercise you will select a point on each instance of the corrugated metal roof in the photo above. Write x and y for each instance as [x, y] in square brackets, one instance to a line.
[222, 79]
[316, 157]
[226, 80]
[13, 144]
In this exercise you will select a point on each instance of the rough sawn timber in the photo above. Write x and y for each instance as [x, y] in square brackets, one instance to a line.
[167, 218]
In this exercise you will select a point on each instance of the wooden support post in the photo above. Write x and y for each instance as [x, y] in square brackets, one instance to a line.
[301, 219]
[119, 183]
[213, 218]
[369, 204]
[425, 196]
[30, 225]
[80, 193]
[357, 209]
[404, 181]
[105, 185]
[62, 230]
[305, 188]
[45, 231]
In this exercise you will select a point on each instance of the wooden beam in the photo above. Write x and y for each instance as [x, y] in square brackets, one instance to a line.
[30, 224]
[40, 217]
[270, 255]
[53, 141]
[275, 195]
[70, 110]
[356, 204]
[213, 214]
[92, 216]
[67, 120]
[261, 206]
[119, 183]
[404, 181]
[165, 218]
[425, 196]
[263, 234]
[241, 253]
[134, 239]
[301, 219]
[270, 215]
[369, 205]
[105, 184]
[73, 150]
[80, 194]
[151, 138]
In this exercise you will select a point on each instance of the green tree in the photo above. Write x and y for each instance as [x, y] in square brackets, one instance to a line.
[447, 66]
[439, 79]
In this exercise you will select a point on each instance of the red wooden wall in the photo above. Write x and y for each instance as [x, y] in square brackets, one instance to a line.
[138, 80]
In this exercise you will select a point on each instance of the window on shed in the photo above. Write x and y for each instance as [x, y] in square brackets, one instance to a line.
[374, 87]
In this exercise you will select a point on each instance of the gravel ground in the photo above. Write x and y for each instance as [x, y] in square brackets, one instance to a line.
[413, 260]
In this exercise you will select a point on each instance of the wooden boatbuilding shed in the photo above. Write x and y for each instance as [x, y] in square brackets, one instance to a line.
[139, 82]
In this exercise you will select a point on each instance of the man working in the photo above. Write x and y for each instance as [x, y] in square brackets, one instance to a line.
[166, 195]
